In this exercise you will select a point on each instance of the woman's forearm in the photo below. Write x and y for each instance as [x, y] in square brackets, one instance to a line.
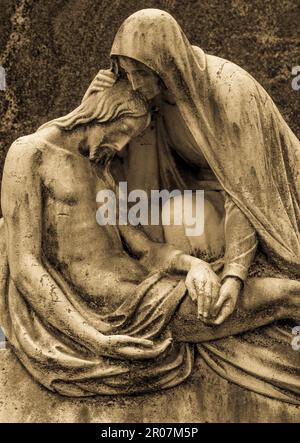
[241, 242]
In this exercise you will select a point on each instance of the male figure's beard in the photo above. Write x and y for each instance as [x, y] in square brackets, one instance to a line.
[101, 156]
[100, 161]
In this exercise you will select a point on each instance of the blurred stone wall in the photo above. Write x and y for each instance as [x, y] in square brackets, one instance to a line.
[52, 49]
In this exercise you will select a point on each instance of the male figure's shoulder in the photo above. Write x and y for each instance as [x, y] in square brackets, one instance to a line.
[21, 172]
[25, 152]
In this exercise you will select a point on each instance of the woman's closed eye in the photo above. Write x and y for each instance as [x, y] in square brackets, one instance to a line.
[139, 72]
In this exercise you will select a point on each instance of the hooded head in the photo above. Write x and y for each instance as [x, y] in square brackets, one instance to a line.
[153, 38]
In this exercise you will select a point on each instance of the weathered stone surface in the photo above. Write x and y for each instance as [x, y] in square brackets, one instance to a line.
[204, 398]
[52, 49]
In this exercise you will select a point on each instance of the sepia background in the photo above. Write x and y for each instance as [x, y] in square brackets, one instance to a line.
[52, 49]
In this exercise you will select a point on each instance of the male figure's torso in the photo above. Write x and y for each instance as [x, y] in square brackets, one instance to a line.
[90, 256]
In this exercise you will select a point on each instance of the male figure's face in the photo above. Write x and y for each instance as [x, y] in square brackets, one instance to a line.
[104, 140]
[142, 79]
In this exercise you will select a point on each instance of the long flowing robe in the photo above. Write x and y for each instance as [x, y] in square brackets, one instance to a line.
[256, 159]
[236, 126]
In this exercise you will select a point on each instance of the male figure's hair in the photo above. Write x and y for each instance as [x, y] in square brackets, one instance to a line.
[114, 103]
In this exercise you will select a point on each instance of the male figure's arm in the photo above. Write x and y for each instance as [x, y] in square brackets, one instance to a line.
[156, 256]
[22, 211]
[201, 281]
[152, 255]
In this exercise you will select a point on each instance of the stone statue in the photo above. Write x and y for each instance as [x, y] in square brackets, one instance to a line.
[92, 309]
[211, 114]
[83, 315]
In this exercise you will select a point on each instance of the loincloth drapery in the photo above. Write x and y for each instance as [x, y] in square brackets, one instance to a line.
[66, 367]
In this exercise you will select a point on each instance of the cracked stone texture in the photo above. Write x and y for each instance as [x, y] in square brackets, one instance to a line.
[52, 49]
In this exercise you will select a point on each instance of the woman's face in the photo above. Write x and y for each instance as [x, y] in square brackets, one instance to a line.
[142, 79]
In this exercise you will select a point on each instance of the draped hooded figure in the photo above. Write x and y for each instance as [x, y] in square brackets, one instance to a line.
[252, 156]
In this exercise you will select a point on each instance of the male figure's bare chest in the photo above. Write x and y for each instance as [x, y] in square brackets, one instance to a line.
[70, 181]
[71, 231]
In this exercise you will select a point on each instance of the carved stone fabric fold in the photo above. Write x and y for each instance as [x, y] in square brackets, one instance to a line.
[262, 361]
[64, 366]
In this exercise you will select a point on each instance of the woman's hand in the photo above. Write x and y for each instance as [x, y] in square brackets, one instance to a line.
[126, 347]
[104, 79]
[228, 297]
[203, 286]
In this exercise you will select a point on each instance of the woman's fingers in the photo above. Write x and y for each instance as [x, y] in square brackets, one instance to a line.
[201, 298]
[226, 310]
[107, 81]
[95, 89]
[224, 295]
[215, 294]
[107, 73]
[104, 79]
[197, 289]
[207, 297]
[203, 286]
[100, 84]
[104, 83]
[211, 294]
[201, 290]
[190, 285]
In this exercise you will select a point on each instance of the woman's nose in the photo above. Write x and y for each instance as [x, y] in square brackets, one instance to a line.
[136, 83]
